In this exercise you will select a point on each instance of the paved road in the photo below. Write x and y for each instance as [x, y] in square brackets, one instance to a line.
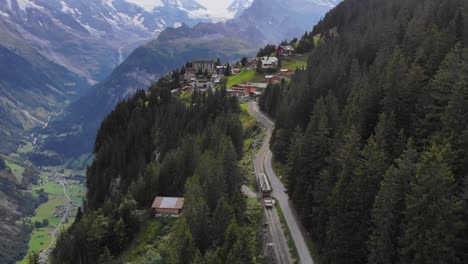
[264, 162]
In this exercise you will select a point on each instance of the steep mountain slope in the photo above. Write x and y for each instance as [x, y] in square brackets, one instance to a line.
[31, 88]
[239, 6]
[374, 133]
[92, 37]
[52, 51]
[265, 21]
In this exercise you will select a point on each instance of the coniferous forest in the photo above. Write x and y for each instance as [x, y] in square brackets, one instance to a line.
[374, 133]
[152, 144]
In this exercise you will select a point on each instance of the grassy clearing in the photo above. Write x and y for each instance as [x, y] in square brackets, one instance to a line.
[26, 148]
[295, 62]
[76, 191]
[253, 138]
[16, 169]
[40, 237]
[52, 188]
[287, 233]
[186, 97]
[150, 235]
[244, 76]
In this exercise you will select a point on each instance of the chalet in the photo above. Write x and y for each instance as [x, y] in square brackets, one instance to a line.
[190, 70]
[252, 63]
[273, 78]
[221, 70]
[269, 62]
[286, 73]
[236, 71]
[171, 206]
[285, 50]
[204, 66]
[216, 79]
[259, 86]
[190, 77]
[243, 89]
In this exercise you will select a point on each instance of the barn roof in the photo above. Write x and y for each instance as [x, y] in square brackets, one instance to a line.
[168, 202]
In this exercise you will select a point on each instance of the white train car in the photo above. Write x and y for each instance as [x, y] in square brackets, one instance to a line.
[265, 186]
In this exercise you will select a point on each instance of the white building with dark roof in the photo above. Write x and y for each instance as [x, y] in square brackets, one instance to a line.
[269, 62]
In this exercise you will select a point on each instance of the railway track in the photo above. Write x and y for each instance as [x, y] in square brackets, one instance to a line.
[263, 164]
[279, 241]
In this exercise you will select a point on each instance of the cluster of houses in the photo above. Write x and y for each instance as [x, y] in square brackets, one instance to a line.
[211, 76]
[203, 75]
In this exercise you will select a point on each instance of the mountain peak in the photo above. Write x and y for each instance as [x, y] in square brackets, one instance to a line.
[238, 6]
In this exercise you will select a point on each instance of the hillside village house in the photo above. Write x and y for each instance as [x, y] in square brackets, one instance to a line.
[248, 88]
[285, 50]
[221, 70]
[285, 73]
[204, 66]
[269, 62]
[171, 206]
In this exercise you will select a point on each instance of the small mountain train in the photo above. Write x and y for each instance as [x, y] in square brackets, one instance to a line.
[265, 189]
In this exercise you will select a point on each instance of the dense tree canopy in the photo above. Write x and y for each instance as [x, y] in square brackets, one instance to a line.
[374, 132]
[154, 145]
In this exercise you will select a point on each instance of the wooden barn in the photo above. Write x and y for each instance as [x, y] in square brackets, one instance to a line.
[168, 205]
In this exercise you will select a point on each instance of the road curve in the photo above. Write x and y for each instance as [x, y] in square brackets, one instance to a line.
[278, 193]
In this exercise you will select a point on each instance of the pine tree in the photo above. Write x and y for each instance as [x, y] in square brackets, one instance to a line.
[387, 214]
[440, 90]
[314, 151]
[222, 218]
[228, 71]
[294, 163]
[432, 212]
[120, 235]
[386, 135]
[340, 246]
[33, 258]
[196, 213]
[106, 257]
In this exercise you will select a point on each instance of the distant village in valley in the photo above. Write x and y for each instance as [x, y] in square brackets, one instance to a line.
[247, 78]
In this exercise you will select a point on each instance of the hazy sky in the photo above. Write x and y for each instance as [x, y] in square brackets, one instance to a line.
[215, 5]
[216, 8]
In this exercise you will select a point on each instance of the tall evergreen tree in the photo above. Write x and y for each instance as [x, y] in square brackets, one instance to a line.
[432, 215]
[340, 246]
[387, 214]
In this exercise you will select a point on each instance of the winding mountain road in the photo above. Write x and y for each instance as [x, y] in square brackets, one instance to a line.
[263, 164]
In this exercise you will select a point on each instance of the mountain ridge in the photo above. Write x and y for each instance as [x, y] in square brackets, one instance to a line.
[264, 22]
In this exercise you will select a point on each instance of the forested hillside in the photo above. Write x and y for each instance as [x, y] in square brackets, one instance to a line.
[153, 144]
[374, 133]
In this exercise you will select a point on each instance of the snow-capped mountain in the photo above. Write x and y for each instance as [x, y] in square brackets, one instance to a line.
[65, 46]
[327, 3]
[91, 37]
[263, 22]
[238, 6]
